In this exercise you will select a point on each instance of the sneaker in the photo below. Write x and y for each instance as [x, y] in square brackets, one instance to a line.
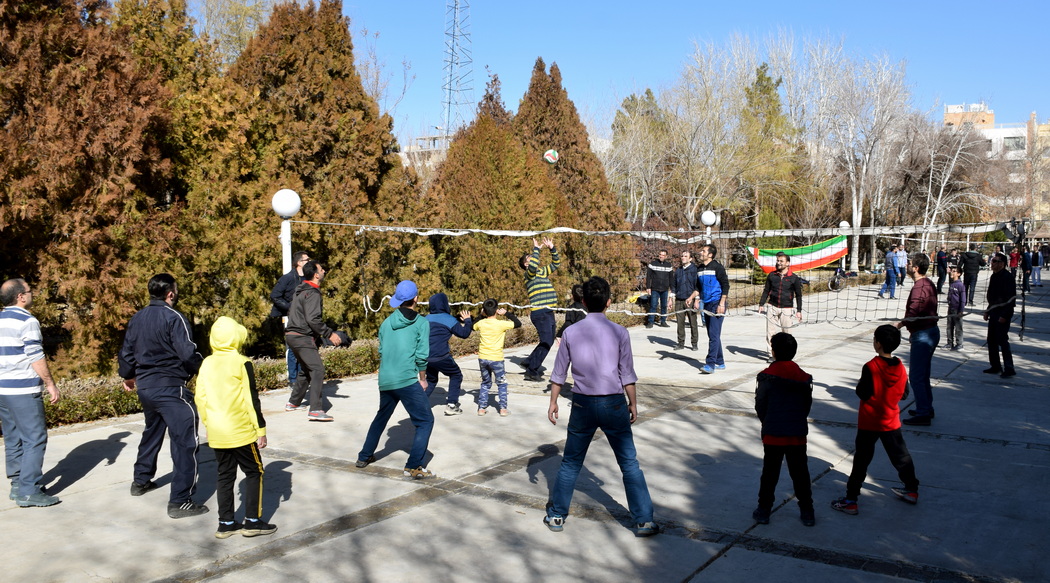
[706, 369]
[140, 489]
[648, 325]
[807, 517]
[453, 409]
[257, 528]
[554, 523]
[845, 505]
[882, 297]
[1008, 373]
[913, 413]
[957, 348]
[364, 463]
[320, 416]
[186, 509]
[679, 347]
[504, 412]
[666, 325]
[482, 411]
[536, 378]
[760, 515]
[39, 500]
[909, 496]
[918, 420]
[646, 529]
[993, 370]
[720, 367]
[227, 530]
[694, 348]
[419, 473]
[291, 407]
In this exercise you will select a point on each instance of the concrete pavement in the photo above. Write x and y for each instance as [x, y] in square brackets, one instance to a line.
[984, 466]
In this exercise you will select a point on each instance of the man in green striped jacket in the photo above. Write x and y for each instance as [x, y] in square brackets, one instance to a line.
[542, 298]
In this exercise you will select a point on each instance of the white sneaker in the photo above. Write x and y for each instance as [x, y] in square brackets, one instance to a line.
[453, 409]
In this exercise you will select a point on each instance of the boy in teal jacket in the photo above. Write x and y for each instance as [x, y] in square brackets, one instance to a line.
[404, 345]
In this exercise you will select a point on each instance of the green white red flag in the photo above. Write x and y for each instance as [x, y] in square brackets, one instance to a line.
[802, 258]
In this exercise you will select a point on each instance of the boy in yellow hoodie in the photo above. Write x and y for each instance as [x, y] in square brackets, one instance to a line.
[228, 403]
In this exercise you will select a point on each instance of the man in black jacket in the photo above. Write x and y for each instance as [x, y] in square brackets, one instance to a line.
[281, 296]
[971, 263]
[784, 292]
[157, 359]
[303, 333]
[657, 282]
[1001, 291]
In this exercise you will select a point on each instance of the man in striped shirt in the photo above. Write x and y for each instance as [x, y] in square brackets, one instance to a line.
[542, 298]
[23, 375]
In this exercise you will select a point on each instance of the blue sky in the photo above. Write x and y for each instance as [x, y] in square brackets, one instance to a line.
[956, 52]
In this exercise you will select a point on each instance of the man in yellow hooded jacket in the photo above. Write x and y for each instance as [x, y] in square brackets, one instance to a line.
[228, 403]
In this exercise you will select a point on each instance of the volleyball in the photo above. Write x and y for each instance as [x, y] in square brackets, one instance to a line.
[551, 156]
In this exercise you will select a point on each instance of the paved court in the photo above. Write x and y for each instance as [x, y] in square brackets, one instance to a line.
[984, 467]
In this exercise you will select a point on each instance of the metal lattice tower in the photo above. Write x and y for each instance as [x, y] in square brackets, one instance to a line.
[458, 89]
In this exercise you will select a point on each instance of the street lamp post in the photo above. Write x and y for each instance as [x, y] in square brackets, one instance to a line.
[286, 203]
[709, 219]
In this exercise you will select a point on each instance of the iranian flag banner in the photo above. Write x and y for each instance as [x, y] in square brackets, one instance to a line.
[802, 258]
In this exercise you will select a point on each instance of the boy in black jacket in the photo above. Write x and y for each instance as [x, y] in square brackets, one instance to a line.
[783, 398]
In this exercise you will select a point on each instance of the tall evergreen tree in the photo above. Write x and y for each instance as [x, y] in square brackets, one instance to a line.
[489, 180]
[315, 130]
[547, 119]
[82, 174]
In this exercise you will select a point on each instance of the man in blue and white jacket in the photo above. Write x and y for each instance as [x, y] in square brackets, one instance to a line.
[443, 326]
[713, 284]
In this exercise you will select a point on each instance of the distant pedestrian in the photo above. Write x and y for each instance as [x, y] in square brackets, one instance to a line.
[157, 359]
[902, 261]
[24, 376]
[493, 332]
[971, 262]
[783, 398]
[1002, 292]
[603, 397]
[890, 267]
[942, 268]
[956, 307]
[883, 384]
[783, 291]
[443, 326]
[542, 298]
[228, 401]
[576, 312]
[1037, 267]
[404, 344]
[657, 283]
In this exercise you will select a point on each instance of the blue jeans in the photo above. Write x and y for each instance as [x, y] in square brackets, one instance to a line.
[543, 320]
[25, 440]
[714, 334]
[448, 367]
[891, 282]
[609, 413]
[293, 366]
[658, 297]
[923, 343]
[414, 398]
[490, 368]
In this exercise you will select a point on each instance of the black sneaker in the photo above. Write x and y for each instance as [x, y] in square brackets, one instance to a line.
[993, 370]
[140, 489]
[536, 378]
[1008, 373]
[664, 325]
[648, 325]
[919, 420]
[679, 347]
[760, 515]
[913, 413]
[227, 530]
[807, 517]
[257, 528]
[364, 463]
[186, 509]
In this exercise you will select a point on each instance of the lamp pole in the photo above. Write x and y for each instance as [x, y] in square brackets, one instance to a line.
[286, 203]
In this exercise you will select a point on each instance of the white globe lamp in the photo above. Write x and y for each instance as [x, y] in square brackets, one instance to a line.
[286, 203]
[709, 219]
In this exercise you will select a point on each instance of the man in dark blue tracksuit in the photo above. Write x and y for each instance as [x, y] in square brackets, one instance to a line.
[158, 358]
[442, 326]
[713, 284]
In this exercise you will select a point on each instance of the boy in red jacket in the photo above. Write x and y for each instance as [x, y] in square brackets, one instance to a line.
[883, 383]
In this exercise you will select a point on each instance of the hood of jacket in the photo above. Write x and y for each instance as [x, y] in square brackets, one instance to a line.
[438, 304]
[892, 369]
[403, 318]
[787, 369]
[227, 335]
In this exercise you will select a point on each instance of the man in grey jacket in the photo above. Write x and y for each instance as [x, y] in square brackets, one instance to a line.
[303, 333]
